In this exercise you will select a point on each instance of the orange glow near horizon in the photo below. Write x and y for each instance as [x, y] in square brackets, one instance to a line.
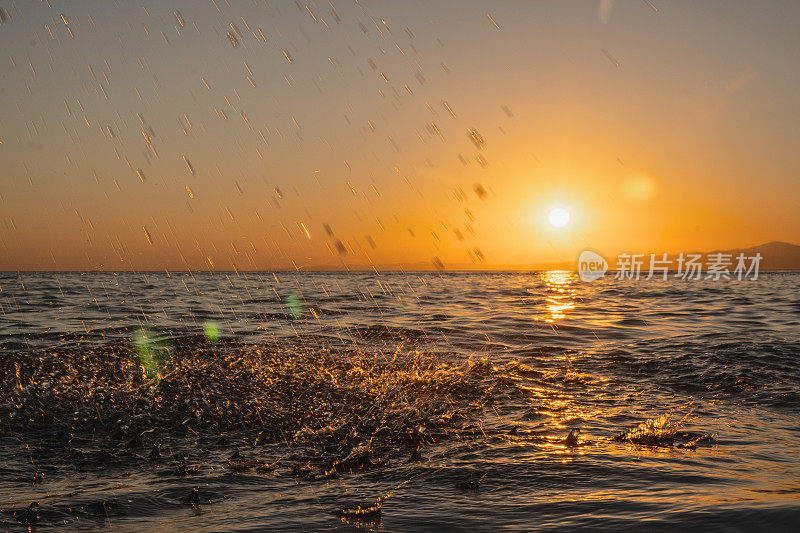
[123, 149]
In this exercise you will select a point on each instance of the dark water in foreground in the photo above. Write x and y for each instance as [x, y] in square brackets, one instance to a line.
[444, 400]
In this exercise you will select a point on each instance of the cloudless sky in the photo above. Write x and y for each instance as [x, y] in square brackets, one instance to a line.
[262, 135]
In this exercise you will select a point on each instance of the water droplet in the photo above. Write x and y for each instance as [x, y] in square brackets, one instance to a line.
[610, 57]
[476, 138]
[449, 109]
[189, 165]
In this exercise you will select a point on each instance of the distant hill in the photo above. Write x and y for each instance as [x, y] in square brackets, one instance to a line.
[776, 255]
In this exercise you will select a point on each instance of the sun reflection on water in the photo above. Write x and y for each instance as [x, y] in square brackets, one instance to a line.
[560, 294]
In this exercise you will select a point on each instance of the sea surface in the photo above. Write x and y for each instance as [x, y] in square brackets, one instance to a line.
[398, 402]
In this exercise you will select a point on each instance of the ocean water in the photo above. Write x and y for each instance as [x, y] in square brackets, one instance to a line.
[398, 402]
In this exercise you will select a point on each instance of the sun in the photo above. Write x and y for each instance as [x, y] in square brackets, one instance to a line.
[558, 217]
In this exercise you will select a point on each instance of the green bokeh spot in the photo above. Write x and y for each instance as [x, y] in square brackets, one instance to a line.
[295, 306]
[152, 353]
[211, 331]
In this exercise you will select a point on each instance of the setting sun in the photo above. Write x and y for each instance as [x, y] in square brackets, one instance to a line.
[558, 217]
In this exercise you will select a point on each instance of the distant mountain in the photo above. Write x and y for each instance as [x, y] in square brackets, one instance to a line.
[775, 255]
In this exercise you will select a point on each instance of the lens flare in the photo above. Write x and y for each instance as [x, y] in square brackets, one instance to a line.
[211, 331]
[295, 306]
[152, 353]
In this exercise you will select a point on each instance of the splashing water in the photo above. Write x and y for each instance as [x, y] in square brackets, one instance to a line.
[422, 389]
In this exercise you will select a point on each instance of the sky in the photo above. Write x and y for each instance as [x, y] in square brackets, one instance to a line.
[258, 135]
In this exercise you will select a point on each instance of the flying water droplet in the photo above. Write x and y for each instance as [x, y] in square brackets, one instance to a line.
[189, 165]
[449, 109]
[476, 138]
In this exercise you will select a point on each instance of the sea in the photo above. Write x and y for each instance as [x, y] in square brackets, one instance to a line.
[398, 401]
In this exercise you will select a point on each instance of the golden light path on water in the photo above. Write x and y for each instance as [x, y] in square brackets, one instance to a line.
[563, 408]
[560, 297]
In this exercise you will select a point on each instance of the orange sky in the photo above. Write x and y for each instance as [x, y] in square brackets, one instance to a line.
[666, 130]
